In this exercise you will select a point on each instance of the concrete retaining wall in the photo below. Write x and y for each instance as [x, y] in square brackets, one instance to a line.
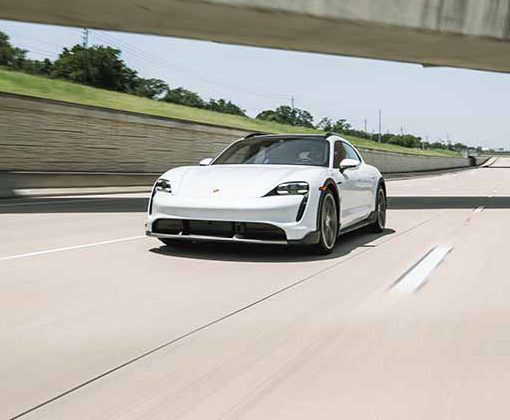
[41, 135]
[388, 162]
[51, 144]
[481, 160]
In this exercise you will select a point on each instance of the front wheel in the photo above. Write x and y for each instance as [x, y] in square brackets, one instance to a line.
[380, 211]
[328, 224]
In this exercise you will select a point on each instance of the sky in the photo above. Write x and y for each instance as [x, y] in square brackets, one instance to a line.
[435, 103]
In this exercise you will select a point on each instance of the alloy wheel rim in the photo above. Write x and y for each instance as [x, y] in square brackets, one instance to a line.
[329, 222]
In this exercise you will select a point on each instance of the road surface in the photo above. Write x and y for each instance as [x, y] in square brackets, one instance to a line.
[99, 322]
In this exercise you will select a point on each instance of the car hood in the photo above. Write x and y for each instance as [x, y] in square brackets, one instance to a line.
[234, 180]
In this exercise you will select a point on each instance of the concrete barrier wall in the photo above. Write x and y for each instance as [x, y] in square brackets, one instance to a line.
[41, 135]
[388, 162]
[480, 160]
[57, 143]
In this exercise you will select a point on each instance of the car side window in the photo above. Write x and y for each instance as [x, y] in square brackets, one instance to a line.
[339, 154]
[350, 153]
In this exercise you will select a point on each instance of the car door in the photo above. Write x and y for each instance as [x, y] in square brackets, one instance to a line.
[347, 185]
[364, 181]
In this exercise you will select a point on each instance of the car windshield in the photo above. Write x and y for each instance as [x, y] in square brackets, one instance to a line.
[312, 151]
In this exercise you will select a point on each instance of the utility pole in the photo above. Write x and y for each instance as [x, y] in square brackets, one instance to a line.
[86, 46]
[85, 37]
[402, 130]
[365, 125]
[380, 124]
[292, 101]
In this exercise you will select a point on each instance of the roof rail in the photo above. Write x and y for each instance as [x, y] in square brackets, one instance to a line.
[331, 134]
[254, 135]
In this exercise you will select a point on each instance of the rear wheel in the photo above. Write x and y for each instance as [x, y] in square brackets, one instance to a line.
[328, 224]
[380, 211]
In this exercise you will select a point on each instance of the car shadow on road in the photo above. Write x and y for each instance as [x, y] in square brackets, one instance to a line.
[268, 253]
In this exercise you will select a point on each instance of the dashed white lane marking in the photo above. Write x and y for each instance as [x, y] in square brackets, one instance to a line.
[69, 248]
[418, 274]
[479, 209]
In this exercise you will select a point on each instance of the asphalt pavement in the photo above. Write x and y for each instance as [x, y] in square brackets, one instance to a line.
[99, 322]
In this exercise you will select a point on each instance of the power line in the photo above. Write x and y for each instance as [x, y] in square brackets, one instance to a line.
[38, 51]
[166, 65]
[41, 53]
[41, 41]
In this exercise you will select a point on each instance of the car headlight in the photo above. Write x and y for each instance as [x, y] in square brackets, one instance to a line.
[163, 185]
[293, 188]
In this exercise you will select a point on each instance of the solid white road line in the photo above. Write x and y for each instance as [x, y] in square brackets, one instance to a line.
[70, 248]
[417, 275]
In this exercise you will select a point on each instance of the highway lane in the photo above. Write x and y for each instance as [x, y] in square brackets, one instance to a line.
[257, 332]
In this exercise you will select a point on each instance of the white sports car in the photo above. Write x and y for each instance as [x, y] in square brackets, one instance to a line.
[274, 189]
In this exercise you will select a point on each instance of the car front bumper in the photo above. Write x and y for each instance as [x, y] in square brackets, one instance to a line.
[280, 212]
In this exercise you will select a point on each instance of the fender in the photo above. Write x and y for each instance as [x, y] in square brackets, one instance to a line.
[313, 237]
[332, 185]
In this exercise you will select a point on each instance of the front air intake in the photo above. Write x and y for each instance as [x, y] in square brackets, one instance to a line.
[219, 229]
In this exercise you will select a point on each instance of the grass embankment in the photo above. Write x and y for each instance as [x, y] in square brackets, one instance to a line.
[41, 87]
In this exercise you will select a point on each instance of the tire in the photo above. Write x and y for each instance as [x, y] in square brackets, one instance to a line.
[328, 224]
[380, 211]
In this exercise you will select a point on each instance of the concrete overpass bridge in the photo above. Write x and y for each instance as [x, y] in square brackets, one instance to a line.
[471, 34]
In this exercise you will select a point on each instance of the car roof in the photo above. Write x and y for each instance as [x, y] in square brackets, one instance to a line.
[325, 136]
[288, 136]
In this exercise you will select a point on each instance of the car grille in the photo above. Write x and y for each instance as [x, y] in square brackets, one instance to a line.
[210, 228]
[220, 229]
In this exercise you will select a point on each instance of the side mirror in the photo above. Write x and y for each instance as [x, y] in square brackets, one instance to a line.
[348, 164]
[205, 162]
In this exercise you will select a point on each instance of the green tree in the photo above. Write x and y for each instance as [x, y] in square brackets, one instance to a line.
[268, 115]
[437, 145]
[304, 118]
[38, 67]
[342, 126]
[183, 96]
[224, 106]
[287, 115]
[96, 66]
[406, 140]
[326, 124]
[459, 146]
[10, 56]
[151, 88]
